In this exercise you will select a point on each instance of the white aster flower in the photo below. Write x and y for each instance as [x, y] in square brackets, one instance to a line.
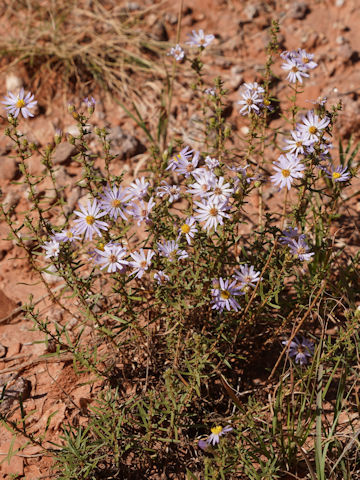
[338, 174]
[291, 234]
[188, 228]
[21, 103]
[170, 249]
[51, 248]
[88, 222]
[312, 126]
[171, 192]
[205, 180]
[142, 212]
[111, 257]
[254, 88]
[114, 202]
[296, 70]
[139, 188]
[247, 277]
[199, 39]
[212, 213]
[288, 168]
[221, 191]
[177, 52]
[216, 433]
[141, 262]
[211, 163]
[251, 102]
[297, 144]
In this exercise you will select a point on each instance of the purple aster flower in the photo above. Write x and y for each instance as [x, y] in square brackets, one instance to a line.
[177, 52]
[89, 222]
[291, 234]
[21, 103]
[312, 126]
[212, 213]
[300, 349]
[296, 70]
[67, 235]
[141, 262]
[217, 432]
[338, 174]
[170, 249]
[139, 188]
[188, 228]
[247, 277]
[300, 249]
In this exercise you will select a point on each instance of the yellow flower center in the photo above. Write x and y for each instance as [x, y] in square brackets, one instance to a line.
[143, 264]
[202, 41]
[217, 430]
[225, 295]
[312, 130]
[69, 234]
[190, 167]
[217, 191]
[113, 258]
[216, 284]
[115, 203]
[185, 228]
[20, 103]
[294, 69]
[266, 102]
[249, 101]
[101, 247]
[301, 251]
[285, 172]
[305, 60]
[213, 212]
[299, 144]
[90, 220]
[336, 175]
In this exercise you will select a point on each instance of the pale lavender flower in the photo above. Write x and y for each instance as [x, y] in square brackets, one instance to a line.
[188, 229]
[305, 59]
[114, 202]
[251, 102]
[216, 433]
[88, 222]
[297, 143]
[185, 153]
[223, 293]
[51, 248]
[210, 91]
[288, 168]
[141, 262]
[296, 71]
[247, 277]
[139, 188]
[187, 167]
[220, 191]
[21, 103]
[170, 249]
[205, 181]
[67, 235]
[161, 277]
[211, 163]
[338, 174]
[142, 212]
[171, 192]
[312, 126]
[177, 52]
[199, 39]
[211, 212]
[254, 88]
[300, 249]
[203, 444]
[90, 102]
[300, 349]
[112, 258]
[291, 234]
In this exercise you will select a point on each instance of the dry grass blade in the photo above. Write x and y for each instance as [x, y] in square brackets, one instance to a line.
[85, 42]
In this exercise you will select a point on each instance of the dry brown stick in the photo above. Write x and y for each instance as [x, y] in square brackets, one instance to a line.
[292, 336]
[19, 368]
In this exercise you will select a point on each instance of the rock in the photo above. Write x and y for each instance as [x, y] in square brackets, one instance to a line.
[15, 467]
[171, 18]
[251, 11]
[13, 83]
[159, 32]
[62, 178]
[347, 55]
[340, 40]
[11, 200]
[339, 3]
[5, 247]
[298, 10]
[123, 144]
[9, 168]
[72, 199]
[13, 389]
[236, 77]
[63, 153]
[3, 350]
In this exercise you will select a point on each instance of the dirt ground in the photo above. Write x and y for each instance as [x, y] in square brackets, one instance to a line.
[327, 28]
